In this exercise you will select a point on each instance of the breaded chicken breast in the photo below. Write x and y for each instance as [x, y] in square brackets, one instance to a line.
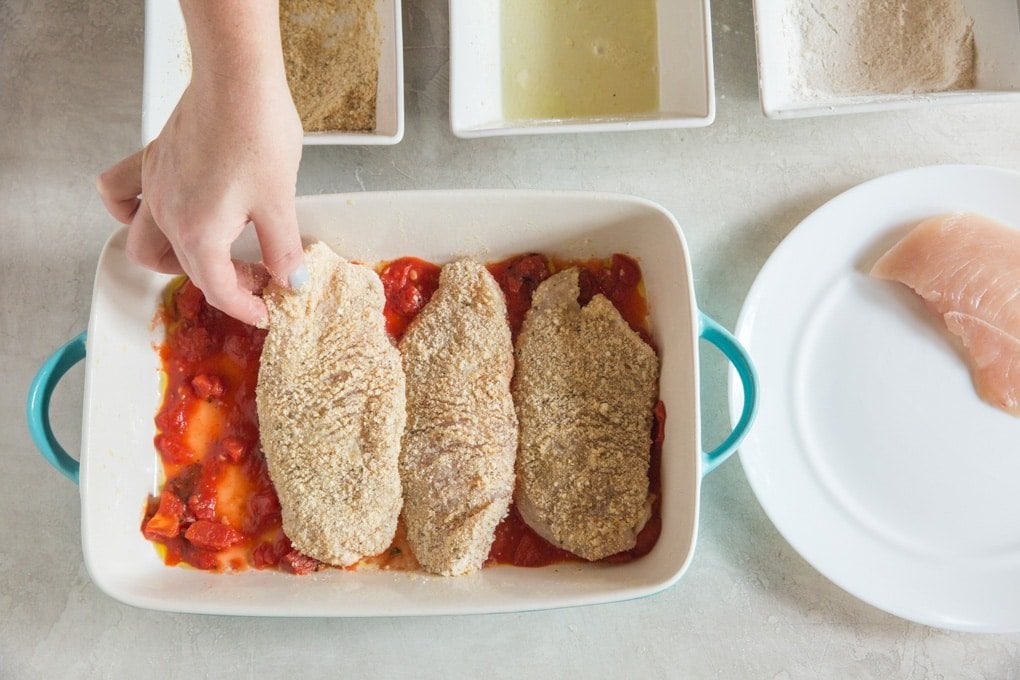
[457, 457]
[331, 410]
[585, 387]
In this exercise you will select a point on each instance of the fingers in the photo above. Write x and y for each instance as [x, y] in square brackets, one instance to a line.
[120, 185]
[148, 246]
[227, 285]
[212, 270]
[282, 252]
[251, 276]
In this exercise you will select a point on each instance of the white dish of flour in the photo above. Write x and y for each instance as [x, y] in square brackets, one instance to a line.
[824, 57]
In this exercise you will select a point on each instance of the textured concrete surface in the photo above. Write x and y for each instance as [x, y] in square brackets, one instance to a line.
[749, 607]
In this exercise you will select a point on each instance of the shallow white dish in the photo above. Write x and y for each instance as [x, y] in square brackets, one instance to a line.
[686, 78]
[119, 466]
[996, 36]
[167, 70]
[873, 454]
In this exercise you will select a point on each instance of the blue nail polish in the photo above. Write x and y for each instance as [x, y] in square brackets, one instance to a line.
[298, 278]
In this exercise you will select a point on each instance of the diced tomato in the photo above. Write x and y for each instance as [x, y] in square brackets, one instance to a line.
[207, 386]
[233, 449]
[526, 272]
[587, 286]
[202, 505]
[189, 301]
[606, 283]
[409, 300]
[183, 483]
[626, 271]
[394, 275]
[173, 450]
[264, 504]
[166, 523]
[299, 564]
[174, 550]
[213, 535]
[194, 343]
[263, 512]
[264, 556]
[173, 419]
[203, 559]
[410, 271]
[659, 423]
[408, 284]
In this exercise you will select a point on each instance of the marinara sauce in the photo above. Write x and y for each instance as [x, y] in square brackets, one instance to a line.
[218, 509]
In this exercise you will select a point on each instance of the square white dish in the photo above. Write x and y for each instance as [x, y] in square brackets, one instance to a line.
[167, 70]
[119, 466]
[686, 77]
[997, 40]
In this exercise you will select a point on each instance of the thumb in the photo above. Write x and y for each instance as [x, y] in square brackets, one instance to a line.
[280, 240]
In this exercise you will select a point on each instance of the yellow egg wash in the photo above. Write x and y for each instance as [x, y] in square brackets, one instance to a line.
[579, 58]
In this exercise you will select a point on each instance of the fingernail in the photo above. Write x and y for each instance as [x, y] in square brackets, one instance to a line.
[298, 279]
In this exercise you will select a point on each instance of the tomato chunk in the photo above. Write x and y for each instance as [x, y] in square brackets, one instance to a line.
[526, 272]
[626, 271]
[659, 423]
[409, 300]
[207, 386]
[173, 450]
[202, 505]
[166, 523]
[212, 535]
[233, 449]
[189, 301]
[299, 564]
[264, 556]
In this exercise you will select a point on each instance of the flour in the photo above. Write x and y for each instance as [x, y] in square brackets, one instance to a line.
[874, 47]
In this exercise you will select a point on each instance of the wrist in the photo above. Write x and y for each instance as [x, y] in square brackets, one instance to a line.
[235, 45]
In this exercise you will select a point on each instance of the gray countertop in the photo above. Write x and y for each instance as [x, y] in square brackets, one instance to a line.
[749, 607]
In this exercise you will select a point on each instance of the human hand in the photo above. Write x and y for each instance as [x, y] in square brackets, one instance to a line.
[228, 155]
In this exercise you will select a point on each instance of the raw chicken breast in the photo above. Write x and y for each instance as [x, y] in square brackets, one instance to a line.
[967, 268]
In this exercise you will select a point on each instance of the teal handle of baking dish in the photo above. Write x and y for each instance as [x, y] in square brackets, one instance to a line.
[724, 341]
[61, 361]
[38, 405]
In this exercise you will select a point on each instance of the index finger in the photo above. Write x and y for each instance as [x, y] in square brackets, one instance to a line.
[120, 185]
[212, 270]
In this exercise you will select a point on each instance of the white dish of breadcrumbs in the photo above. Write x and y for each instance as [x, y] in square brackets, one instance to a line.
[344, 63]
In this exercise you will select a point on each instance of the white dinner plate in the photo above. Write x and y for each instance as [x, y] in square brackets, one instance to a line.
[873, 454]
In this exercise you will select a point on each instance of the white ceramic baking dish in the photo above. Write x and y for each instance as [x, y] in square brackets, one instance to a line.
[167, 70]
[119, 466]
[996, 37]
[686, 77]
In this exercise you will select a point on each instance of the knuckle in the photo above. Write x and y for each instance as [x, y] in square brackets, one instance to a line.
[103, 182]
[157, 211]
[141, 256]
